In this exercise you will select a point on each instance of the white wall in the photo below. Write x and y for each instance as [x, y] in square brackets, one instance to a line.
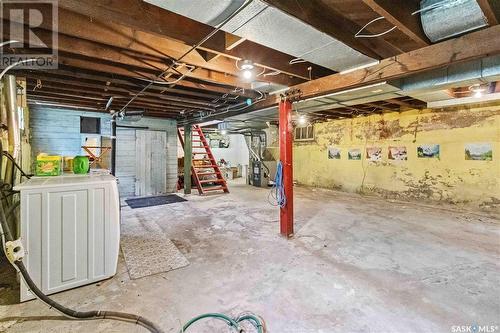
[237, 153]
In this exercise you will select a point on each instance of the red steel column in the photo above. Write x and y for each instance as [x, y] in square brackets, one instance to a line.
[286, 142]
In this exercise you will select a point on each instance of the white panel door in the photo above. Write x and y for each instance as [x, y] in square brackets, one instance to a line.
[151, 158]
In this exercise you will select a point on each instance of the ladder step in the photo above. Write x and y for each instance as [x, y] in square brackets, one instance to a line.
[207, 173]
[205, 166]
[206, 181]
[215, 188]
[201, 160]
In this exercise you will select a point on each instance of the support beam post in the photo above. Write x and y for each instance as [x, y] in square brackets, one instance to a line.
[286, 142]
[188, 158]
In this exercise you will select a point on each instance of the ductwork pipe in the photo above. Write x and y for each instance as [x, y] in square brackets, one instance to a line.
[12, 117]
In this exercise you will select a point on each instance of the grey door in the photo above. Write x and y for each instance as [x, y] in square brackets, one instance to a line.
[151, 157]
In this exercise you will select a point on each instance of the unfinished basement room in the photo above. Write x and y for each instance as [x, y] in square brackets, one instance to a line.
[250, 166]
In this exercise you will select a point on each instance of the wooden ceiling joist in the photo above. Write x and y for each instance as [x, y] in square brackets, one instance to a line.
[399, 13]
[321, 18]
[167, 24]
[121, 37]
[489, 11]
[439, 55]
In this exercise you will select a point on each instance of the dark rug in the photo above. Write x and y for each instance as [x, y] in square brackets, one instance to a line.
[154, 201]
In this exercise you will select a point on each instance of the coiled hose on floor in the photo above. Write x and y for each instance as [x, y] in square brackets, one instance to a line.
[255, 320]
[6, 234]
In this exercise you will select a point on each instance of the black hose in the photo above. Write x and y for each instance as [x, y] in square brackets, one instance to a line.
[73, 314]
[83, 314]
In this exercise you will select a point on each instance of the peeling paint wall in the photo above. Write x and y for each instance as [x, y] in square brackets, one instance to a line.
[450, 178]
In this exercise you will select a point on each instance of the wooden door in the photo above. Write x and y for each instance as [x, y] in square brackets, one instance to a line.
[151, 157]
[125, 161]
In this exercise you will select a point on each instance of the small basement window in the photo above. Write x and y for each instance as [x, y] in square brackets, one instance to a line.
[90, 125]
[304, 133]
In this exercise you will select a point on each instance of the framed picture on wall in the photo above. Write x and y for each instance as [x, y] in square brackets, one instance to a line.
[428, 151]
[398, 154]
[479, 151]
[374, 154]
[354, 154]
[334, 153]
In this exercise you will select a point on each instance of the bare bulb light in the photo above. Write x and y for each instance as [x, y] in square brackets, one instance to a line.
[302, 120]
[223, 132]
[247, 74]
[478, 94]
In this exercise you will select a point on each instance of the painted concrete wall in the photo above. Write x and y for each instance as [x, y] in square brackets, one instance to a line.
[236, 153]
[450, 178]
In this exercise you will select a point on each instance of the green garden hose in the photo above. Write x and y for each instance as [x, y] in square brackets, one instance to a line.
[256, 321]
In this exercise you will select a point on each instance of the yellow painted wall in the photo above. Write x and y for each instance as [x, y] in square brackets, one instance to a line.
[450, 178]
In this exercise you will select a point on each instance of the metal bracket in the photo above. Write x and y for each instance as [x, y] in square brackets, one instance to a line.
[292, 95]
[14, 250]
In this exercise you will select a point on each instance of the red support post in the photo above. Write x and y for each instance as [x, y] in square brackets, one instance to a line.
[286, 143]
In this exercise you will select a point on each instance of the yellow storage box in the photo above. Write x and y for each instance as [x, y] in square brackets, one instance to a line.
[48, 165]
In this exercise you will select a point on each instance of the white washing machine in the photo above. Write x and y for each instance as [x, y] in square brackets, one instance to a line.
[70, 228]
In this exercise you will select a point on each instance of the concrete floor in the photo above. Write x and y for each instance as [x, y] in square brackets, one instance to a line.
[356, 264]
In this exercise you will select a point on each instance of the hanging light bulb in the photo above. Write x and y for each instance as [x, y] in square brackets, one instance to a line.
[477, 90]
[247, 74]
[223, 132]
[247, 69]
[302, 120]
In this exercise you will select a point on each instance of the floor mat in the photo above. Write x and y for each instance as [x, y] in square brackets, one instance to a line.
[147, 253]
[154, 201]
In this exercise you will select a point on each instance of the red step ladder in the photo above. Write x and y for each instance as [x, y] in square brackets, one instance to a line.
[204, 169]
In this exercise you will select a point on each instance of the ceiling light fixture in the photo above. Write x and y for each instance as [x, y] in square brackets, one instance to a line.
[247, 70]
[477, 90]
[302, 120]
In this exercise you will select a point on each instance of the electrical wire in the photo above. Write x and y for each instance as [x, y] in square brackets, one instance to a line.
[201, 42]
[14, 65]
[277, 192]
[359, 35]
[9, 42]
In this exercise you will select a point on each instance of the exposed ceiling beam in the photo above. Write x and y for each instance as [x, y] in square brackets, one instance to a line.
[334, 24]
[76, 85]
[104, 80]
[126, 38]
[398, 13]
[88, 64]
[439, 55]
[405, 104]
[71, 90]
[489, 11]
[167, 24]
[82, 47]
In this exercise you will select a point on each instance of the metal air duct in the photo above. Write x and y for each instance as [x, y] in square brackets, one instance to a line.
[273, 28]
[442, 19]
